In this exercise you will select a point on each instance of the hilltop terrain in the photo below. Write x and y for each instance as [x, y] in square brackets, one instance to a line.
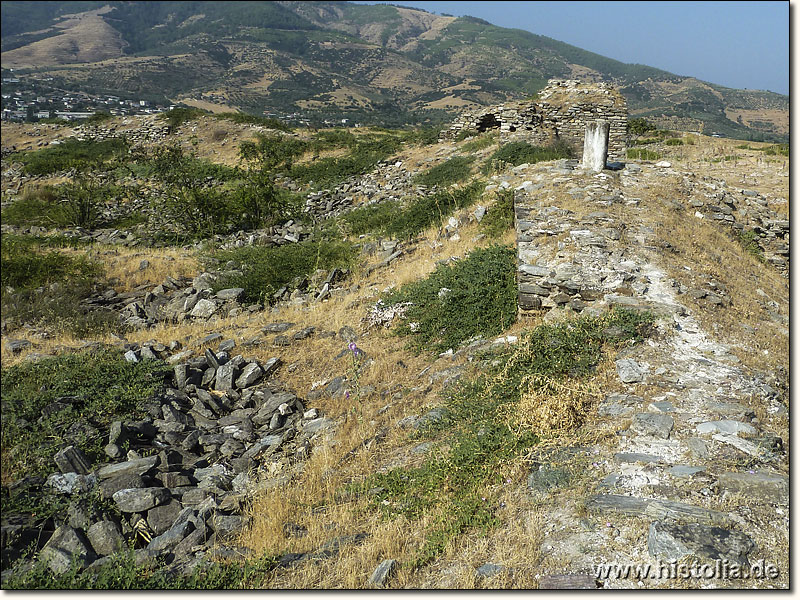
[381, 65]
[238, 355]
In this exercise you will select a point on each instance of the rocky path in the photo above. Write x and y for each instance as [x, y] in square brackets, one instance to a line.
[695, 472]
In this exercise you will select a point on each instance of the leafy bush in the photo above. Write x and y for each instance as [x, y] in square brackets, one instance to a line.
[259, 203]
[42, 399]
[484, 441]
[267, 269]
[450, 171]
[674, 142]
[72, 153]
[642, 154]
[517, 153]
[639, 126]
[272, 151]
[500, 217]
[475, 296]
[75, 204]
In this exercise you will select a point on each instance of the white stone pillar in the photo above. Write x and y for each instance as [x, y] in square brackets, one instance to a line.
[595, 145]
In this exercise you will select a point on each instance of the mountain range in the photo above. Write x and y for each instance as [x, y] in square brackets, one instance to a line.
[379, 64]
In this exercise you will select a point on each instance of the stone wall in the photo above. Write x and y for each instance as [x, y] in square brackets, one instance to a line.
[560, 112]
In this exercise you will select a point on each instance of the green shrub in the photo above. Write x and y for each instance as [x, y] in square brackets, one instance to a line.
[75, 204]
[639, 126]
[72, 153]
[95, 388]
[673, 142]
[272, 151]
[450, 171]
[482, 448]
[475, 296]
[642, 154]
[500, 216]
[517, 153]
[644, 142]
[259, 203]
[267, 269]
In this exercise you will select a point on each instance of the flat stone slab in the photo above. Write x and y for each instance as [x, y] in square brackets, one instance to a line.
[629, 371]
[140, 499]
[655, 508]
[685, 471]
[725, 426]
[774, 488]
[382, 572]
[568, 581]
[654, 424]
[636, 457]
[138, 466]
[673, 541]
[744, 445]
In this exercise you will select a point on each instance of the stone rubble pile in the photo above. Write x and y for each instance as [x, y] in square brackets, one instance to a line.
[175, 480]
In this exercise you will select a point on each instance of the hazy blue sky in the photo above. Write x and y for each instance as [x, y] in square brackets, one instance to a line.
[735, 44]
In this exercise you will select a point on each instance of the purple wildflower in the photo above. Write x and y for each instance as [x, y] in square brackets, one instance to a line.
[352, 346]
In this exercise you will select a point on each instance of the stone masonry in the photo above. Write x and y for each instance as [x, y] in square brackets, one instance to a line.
[561, 112]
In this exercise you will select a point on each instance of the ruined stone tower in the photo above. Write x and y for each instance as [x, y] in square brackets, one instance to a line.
[561, 112]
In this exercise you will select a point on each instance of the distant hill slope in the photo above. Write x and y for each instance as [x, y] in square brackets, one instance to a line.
[375, 63]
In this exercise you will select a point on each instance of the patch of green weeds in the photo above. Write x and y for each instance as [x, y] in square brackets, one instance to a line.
[466, 133]
[425, 136]
[778, 149]
[45, 287]
[480, 451]
[122, 573]
[44, 403]
[476, 296]
[399, 222]
[178, 116]
[517, 153]
[72, 153]
[367, 153]
[642, 154]
[673, 142]
[267, 269]
[749, 241]
[479, 143]
[451, 171]
[253, 120]
[500, 216]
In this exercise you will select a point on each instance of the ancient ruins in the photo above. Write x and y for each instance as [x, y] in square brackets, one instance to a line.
[561, 111]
